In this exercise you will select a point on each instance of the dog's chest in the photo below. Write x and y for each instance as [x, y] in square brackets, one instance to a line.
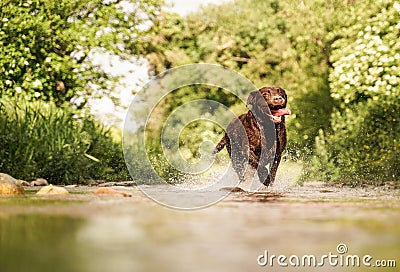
[255, 133]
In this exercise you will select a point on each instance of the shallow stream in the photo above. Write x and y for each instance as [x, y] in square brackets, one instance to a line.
[85, 232]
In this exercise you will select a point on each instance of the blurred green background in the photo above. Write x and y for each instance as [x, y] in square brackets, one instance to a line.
[338, 61]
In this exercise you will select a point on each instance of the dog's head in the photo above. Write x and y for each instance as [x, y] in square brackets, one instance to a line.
[275, 97]
[269, 101]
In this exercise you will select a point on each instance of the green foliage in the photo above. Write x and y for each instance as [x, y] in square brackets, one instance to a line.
[363, 143]
[170, 124]
[38, 139]
[338, 60]
[109, 163]
[366, 60]
[45, 45]
[270, 42]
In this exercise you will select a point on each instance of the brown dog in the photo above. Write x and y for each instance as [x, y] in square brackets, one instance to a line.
[258, 137]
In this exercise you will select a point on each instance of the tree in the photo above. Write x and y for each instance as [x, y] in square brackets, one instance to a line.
[283, 43]
[363, 142]
[45, 46]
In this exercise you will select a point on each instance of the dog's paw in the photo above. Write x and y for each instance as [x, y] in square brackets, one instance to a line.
[267, 181]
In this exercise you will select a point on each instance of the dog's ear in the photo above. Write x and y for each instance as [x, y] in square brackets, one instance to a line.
[284, 95]
[252, 99]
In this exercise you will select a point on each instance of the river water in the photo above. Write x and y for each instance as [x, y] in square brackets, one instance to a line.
[242, 232]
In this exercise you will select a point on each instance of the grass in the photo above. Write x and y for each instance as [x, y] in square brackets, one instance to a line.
[39, 139]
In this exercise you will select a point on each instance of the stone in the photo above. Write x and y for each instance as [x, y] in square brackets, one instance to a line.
[117, 183]
[39, 182]
[10, 185]
[52, 190]
[24, 183]
[109, 191]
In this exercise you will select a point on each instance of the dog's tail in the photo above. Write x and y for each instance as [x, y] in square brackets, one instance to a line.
[220, 145]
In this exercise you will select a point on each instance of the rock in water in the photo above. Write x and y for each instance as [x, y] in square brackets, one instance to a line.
[39, 182]
[10, 185]
[24, 183]
[52, 190]
[109, 191]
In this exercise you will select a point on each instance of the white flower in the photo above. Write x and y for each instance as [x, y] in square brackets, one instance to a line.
[371, 43]
[18, 89]
[37, 94]
[360, 47]
[383, 59]
[37, 84]
[393, 80]
[383, 48]
[342, 78]
[369, 79]
[48, 59]
[396, 6]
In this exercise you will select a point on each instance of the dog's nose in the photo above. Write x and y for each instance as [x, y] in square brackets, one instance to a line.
[277, 99]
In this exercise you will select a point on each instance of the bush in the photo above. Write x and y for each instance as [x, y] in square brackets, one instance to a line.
[363, 143]
[38, 139]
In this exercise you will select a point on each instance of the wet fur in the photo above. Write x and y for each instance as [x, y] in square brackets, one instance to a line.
[258, 149]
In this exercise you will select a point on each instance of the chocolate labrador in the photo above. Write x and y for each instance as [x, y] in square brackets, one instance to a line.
[258, 137]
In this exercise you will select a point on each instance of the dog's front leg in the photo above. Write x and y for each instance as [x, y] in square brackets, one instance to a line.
[274, 169]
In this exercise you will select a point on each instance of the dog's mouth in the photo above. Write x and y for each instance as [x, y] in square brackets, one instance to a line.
[276, 116]
[276, 106]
